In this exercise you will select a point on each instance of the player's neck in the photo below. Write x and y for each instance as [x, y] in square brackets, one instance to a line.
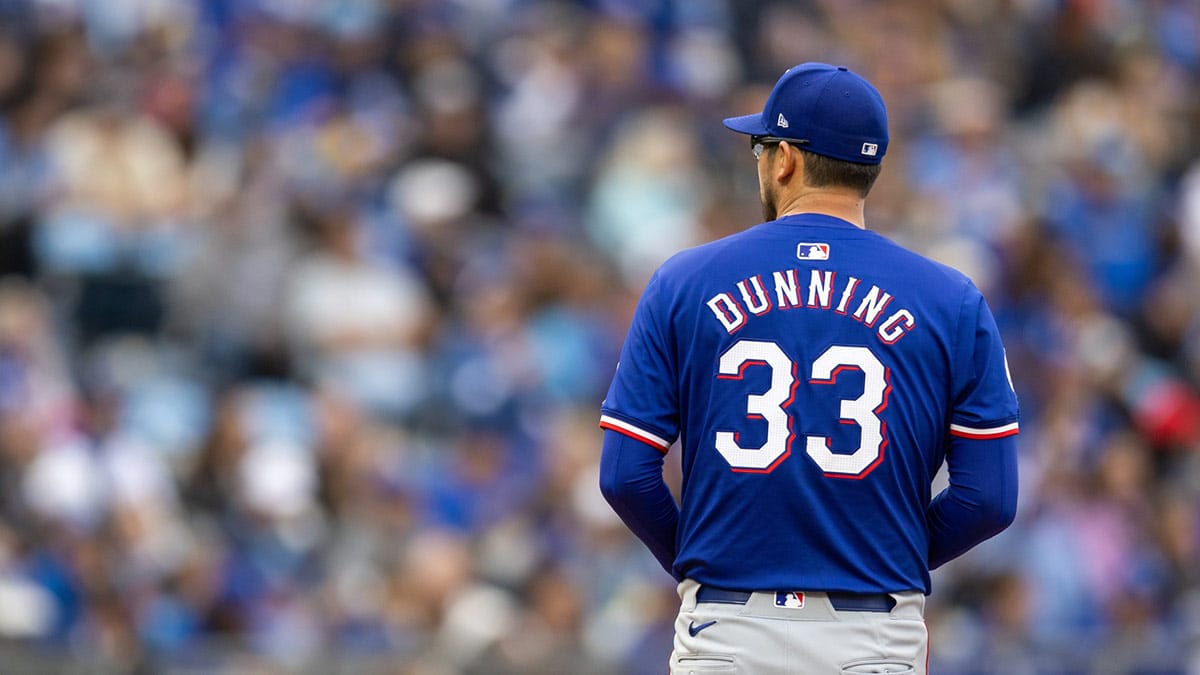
[839, 204]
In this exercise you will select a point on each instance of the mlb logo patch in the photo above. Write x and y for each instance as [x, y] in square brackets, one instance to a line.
[870, 149]
[812, 251]
[792, 599]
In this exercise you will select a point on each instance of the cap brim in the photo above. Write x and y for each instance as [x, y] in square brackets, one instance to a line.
[748, 124]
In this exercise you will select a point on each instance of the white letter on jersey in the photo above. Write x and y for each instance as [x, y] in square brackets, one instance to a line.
[820, 289]
[872, 306]
[864, 410]
[786, 293]
[846, 295]
[896, 326]
[770, 406]
[759, 304]
[727, 311]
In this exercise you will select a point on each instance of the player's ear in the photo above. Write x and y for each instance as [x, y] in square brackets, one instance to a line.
[789, 162]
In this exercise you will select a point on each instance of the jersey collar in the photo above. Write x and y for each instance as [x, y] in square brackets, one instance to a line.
[819, 219]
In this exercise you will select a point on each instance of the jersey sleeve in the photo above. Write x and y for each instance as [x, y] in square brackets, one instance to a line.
[642, 400]
[985, 406]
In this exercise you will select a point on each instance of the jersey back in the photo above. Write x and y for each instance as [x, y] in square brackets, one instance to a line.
[812, 372]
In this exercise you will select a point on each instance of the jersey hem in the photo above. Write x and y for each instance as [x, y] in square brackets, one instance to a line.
[901, 587]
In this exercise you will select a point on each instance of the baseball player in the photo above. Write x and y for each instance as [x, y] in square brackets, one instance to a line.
[816, 376]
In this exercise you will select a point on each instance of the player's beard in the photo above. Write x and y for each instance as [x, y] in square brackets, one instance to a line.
[766, 195]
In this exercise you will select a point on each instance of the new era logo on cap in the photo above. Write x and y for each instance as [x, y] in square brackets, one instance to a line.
[781, 122]
[870, 149]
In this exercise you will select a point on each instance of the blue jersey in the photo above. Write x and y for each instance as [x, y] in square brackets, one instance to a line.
[813, 373]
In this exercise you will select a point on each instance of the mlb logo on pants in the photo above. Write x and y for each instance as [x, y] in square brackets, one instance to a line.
[793, 599]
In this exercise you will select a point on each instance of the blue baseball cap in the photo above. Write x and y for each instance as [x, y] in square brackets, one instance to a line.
[825, 109]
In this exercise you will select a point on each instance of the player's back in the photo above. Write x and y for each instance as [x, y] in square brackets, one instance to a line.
[817, 366]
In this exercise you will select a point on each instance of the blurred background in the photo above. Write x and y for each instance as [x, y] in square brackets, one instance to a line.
[307, 308]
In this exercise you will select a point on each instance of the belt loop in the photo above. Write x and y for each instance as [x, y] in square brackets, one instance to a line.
[687, 591]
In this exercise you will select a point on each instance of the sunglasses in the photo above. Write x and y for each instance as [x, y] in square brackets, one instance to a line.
[759, 143]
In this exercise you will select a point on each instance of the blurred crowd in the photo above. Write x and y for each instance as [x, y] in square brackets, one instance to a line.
[307, 308]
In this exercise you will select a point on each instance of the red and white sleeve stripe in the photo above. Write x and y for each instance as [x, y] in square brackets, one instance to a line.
[636, 433]
[983, 434]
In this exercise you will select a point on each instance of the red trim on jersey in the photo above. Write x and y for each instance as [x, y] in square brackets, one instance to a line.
[984, 434]
[632, 433]
[832, 379]
[742, 369]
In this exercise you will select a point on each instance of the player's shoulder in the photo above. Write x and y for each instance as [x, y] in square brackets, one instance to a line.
[702, 269]
[687, 258]
[918, 267]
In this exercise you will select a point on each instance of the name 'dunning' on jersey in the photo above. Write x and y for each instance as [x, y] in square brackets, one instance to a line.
[786, 292]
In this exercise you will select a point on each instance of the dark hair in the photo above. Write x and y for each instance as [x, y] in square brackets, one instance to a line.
[820, 171]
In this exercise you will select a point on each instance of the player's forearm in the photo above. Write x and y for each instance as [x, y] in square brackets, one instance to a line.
[631, 480]
[980, 502]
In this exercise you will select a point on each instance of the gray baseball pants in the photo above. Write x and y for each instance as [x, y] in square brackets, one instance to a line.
[762, 637]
